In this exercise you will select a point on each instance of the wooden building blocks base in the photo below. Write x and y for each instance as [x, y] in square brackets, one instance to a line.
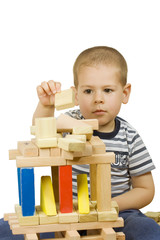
[103, 230]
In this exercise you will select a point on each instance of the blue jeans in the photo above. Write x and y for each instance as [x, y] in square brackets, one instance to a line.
[136, 227]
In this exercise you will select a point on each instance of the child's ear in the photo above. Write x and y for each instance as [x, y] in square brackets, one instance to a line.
[76, 98]
[126, 93]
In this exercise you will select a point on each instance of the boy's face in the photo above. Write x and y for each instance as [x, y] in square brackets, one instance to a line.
[100, 95]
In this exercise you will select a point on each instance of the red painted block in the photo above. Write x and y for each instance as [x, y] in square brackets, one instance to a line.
[65, 189]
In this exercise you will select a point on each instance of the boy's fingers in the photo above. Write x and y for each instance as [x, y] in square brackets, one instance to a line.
[46, 88]
[40, 91]
[58, 86]
[52, 86]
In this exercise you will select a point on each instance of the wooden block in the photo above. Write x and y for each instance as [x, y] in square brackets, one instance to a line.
[45, 127]
[115, 205]
[48, 205]
[13, 153]
[66, 123]
[27, 191]
[55, 182]
[83, 196]
[82, 130]
[92, 216]
[120, 236]
[44, 152]
[16, 229]
[65, 99]
[103, 187]
[78, 137]
[154, 215]
[7, 215]
[71, 155]
[71, 144]
[111, 215]
[108, 234]
[46, 142]
[28, 220]
[40, 161]
[108, 157]
[56, 152]
[33, 130]
[44, 219]
[31, 236]
[93, 182]
[65, 189]
[98, 145]
[27, 149]
[92, 122]
[72, 235]
[68, 217]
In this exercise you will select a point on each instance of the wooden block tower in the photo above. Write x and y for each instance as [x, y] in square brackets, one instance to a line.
[58, 212]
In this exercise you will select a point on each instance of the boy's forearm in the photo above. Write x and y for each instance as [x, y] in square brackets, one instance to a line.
[43, 111]
[134, 199]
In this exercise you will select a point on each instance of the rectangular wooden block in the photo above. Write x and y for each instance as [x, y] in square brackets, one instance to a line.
[44, 152]
[45, 127]
[28, 220]
[72, 235]
[27, 191]
[66, 123]
[27, 149]
[65, 189]
[68, 217]
[31, 236]
[65, 99]
[98, 145]
[108, 234]
[71, 155]
[48, 205]
[56, 151]
[71, 144]
[13, 153]
[78, 137]
[46, 142]
[44, 219]
[92, 216]
[111, 215]
[55, 182]
[103, 187]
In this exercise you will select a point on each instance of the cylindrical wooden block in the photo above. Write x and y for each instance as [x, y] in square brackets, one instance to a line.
[45, 127]
[103, 187]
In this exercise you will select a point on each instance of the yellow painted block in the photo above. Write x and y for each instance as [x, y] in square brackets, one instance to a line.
[48, 205]
[83, 196]
[65, 99]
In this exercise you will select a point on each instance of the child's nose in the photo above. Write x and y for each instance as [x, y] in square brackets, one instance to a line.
[99, 98]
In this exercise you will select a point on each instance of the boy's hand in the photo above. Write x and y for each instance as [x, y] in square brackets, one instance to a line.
[46, 92]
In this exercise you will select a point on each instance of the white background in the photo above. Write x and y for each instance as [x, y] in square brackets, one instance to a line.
[39, 40]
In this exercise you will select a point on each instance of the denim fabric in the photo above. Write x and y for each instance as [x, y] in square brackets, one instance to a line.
[136, 227]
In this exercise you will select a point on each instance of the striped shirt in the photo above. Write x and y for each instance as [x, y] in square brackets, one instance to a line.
[131, 155]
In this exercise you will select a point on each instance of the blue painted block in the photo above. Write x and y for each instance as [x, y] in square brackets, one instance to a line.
[19, 185]
[27, 191]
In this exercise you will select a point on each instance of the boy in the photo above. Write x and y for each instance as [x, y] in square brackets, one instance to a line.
[100, 79]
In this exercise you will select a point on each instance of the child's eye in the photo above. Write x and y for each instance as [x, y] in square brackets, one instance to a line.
[108, 90]
[88, 91]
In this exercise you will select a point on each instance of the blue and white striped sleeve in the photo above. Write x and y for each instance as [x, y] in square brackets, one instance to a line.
[140, 161]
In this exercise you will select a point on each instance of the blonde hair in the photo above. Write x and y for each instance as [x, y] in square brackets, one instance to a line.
[100, 55]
